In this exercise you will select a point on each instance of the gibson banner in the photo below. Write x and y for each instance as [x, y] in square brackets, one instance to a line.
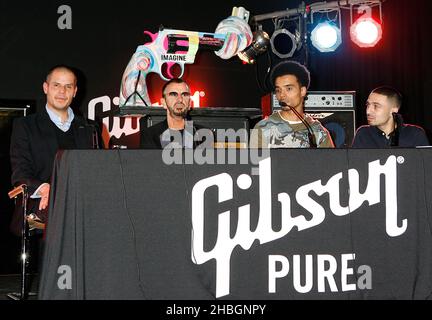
[297, 224]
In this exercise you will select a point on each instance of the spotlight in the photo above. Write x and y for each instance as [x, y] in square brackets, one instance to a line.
[284, 43]
[258, 46]
[365, 32]
[326, 37]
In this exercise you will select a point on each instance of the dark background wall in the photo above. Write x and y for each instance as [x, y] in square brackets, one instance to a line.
[104, 36]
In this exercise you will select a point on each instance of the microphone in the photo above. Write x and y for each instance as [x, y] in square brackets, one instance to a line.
[396, 124]
[95, 135]
[311, 136]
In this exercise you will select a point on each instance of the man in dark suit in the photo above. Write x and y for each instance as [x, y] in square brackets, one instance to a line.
[386, 128]
[36, 139]
[175, 131]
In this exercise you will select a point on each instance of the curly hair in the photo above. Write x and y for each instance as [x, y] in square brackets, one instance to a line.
[291, 68]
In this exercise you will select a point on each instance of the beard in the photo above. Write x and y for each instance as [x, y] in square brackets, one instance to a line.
[178, 110]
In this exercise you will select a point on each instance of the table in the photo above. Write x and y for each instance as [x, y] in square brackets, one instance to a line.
[299, 224]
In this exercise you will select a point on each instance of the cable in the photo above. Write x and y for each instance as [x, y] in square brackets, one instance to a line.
[394, 140]
[270, 63]
[425, 201]
[428, 214]
[262, 85]
[347, 150]
[311, 136]
[189, 201]
[131, 223]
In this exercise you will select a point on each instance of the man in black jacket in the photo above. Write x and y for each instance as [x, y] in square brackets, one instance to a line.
[36, 139]
[175, 131]
[386, 128]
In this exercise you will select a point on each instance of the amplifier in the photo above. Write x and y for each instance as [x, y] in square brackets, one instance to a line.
[211, 117]
[340, 122]
[334, 109]
[323, 99]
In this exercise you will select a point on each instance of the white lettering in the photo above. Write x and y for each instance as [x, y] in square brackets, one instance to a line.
[322, 267]
[345, 271]
[65, 280]
[224, 183]
[324, 273]
[264, 232]
[274, 274]
[65, 20]
[365, 280]
[119, 126]
[297, 274]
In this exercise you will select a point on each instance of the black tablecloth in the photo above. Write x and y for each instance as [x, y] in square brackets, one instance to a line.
[124, 225]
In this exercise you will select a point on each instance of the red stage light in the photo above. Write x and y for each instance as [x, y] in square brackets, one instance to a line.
[366, 32]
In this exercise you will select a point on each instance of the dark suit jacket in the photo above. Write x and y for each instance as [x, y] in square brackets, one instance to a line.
[150, 137]
[33, 149]
[404, 136]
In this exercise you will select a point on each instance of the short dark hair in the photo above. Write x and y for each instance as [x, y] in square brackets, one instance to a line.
[391, 94]
[291, 68]
[173, 80]
[61, 67]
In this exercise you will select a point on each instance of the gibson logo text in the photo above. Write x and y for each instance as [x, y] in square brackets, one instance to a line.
[264, 232]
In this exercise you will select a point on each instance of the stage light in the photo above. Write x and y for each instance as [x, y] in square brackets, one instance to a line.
[291, 25]
[366, 32]
[284, 43]
[326, 37]
[258, 46]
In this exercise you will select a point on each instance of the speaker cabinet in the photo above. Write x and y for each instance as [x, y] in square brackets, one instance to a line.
[216, 118]
[339, 122]
[334, 109]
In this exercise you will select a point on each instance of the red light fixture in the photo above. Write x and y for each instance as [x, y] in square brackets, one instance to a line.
[366, 32]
